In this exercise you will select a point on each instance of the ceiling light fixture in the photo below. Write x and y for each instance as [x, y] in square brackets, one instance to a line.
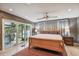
[10, 9]
[69, 9]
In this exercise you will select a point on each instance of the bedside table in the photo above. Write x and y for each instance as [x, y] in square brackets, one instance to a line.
[68, 40]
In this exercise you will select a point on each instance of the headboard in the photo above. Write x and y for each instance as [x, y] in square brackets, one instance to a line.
[50, 32]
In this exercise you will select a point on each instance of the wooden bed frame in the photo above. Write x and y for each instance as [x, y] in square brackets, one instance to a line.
[56, 45]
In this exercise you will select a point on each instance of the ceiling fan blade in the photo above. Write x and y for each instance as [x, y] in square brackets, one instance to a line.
[40, 18]
[53, 17]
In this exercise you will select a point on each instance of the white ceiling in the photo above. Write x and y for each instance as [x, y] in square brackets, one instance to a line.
[32, 11]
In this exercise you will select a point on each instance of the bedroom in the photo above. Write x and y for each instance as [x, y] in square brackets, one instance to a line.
[20, 22]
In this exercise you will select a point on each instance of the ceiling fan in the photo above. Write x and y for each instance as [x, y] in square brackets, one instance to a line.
[46, 16]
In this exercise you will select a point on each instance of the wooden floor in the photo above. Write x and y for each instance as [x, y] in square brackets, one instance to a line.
[37, 52]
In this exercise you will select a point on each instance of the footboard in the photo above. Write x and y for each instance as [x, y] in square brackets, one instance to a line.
[56, 45]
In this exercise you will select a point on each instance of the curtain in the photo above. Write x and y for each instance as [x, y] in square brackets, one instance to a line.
[66, 27]
[58, 25]
[63, 26]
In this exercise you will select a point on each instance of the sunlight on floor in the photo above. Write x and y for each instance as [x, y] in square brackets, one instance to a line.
[73, 50]
[13, 50]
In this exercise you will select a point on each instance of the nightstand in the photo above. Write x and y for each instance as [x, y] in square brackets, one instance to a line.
[68, 41]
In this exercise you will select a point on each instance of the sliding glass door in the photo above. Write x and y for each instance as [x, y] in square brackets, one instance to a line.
[15, 33]
[20, 33]
[27, 31]
[10, 34]
[23, 32]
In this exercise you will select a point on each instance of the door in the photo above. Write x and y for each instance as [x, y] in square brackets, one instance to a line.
[10, 34]
[20, 33]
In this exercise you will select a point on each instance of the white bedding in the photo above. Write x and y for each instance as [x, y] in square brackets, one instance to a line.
[48, 36]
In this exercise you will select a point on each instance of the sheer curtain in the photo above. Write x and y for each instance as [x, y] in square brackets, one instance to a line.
[57, 25]
[66, 27]
[63, 26]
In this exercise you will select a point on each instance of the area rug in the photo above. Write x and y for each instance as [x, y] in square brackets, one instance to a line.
[35, 51]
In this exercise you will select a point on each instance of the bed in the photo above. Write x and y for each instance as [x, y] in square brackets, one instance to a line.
[47, 41]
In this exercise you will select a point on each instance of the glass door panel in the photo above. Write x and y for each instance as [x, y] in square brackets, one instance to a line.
[21, 33]
[27, 32]
[13, 34]
[10, 34]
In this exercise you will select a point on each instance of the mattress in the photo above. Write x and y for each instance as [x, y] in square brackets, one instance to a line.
[48, 36]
